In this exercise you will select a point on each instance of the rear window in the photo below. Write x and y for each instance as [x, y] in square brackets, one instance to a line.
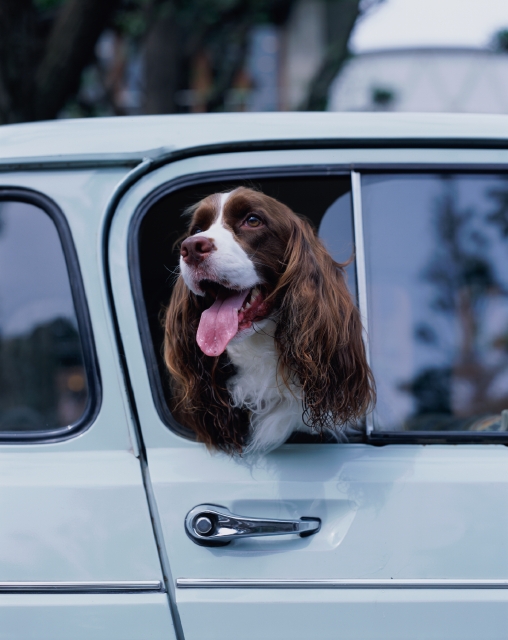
[44, 385]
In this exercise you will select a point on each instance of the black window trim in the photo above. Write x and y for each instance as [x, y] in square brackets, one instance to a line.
[94, 399]
[378, 438]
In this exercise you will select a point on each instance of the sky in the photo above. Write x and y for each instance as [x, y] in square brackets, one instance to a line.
[413, 23]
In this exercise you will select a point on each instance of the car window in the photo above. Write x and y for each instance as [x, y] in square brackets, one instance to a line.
[325, 201]
[437, 281]
[43, 384]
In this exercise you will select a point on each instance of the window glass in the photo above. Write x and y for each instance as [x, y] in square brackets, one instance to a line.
[325, 201]
[437, 276]
[336, 233]
[43, 384]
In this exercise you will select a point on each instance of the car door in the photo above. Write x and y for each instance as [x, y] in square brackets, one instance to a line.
[413, 517]
[78, 557]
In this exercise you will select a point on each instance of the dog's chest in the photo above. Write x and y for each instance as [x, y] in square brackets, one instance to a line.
[259, 382]
[255, 359]
[259, 387]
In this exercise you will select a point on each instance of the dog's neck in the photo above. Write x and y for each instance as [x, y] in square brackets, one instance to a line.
[258, 386]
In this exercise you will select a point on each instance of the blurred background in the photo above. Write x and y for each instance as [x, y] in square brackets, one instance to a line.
[84, 58]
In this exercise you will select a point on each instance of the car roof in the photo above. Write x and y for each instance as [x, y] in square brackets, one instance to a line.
[129, 139]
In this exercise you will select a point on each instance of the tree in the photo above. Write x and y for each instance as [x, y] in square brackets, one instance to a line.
[45, 45]
[211, 34]
[335, 56]
[215, 33]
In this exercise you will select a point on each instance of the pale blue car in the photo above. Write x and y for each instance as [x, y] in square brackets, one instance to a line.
[105, 499]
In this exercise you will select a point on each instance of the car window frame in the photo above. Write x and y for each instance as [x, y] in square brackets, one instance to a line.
[84, 325]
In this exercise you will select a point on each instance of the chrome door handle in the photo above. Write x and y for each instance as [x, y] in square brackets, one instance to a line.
[211, 525]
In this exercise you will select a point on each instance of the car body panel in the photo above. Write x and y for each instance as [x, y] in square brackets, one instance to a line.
[110, 616]
[374, 504]
[128, 140]
[91, 513]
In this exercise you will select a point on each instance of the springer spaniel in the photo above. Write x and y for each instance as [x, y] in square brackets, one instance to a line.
[262, 337]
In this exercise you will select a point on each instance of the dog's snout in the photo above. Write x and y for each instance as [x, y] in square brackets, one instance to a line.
[195, 249]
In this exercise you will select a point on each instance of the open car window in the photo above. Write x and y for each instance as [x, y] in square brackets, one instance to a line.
[437, 282]
[324, 200]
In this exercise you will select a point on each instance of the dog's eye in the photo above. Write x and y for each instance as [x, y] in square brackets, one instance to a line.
[195, 230]
[253, 221]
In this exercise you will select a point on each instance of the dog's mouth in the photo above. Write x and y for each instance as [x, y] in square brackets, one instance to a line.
[231, 312]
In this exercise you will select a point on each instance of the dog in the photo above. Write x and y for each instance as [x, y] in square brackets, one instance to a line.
[262, 337]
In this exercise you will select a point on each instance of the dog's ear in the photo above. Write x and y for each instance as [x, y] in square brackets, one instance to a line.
[319, 334]
[200, 400]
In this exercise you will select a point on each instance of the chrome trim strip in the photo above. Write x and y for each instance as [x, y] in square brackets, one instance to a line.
[81, 587]
[212, 583]
[361, 269]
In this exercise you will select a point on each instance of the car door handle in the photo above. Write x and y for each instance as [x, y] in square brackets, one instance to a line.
[211, 525]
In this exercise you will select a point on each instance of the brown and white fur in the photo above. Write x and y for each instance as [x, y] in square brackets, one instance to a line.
[297, 359]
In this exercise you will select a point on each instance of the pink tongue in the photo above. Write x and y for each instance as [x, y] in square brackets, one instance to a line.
[219, 324]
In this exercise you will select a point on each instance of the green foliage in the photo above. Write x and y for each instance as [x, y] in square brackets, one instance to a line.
[132, 18]
[382, 96]
[47, 5]
[500, 41]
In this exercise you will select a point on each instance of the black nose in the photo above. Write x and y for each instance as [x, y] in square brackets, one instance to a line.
[195, 250]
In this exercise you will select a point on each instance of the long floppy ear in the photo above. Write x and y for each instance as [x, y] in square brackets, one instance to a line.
[319, 334]
[200, 399]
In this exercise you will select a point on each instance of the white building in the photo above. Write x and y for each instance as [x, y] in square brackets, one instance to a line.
[460, 80]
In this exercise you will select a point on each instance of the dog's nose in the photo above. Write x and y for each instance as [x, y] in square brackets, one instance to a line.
[195, 249]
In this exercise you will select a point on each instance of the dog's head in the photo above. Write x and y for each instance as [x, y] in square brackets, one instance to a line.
[248, 257]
